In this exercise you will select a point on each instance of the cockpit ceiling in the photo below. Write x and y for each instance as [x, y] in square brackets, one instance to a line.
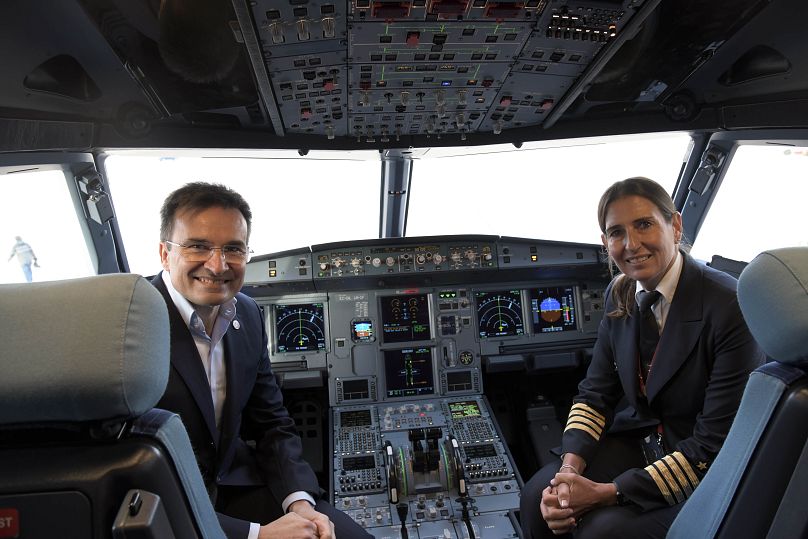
[380, 73]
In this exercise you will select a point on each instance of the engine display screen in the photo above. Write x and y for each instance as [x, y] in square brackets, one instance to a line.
[462, 409]
[553, 309]
[409, 372]
[405, 318]
[300, 327]
[499, 314]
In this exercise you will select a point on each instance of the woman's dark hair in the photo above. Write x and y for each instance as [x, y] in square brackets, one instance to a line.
[198, 196]
[624, 286]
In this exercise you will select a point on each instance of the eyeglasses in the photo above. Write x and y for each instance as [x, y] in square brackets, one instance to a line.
[201, 252]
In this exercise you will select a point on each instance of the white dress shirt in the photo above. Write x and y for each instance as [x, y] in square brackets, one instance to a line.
[667, 289]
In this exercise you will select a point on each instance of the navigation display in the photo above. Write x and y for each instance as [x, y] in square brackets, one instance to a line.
[409, 372]
[553, 309]
[459, 410]
[499, 314]
[300, 327]
[405, 318]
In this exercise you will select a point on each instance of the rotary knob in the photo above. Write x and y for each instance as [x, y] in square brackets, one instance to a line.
[390, 261]
[437, 259]
[355, 262]
[376, 262]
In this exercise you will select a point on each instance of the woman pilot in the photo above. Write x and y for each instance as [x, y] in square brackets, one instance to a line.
[681, 366]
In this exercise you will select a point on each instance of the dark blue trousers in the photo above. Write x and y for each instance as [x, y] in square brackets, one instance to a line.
[616, 454]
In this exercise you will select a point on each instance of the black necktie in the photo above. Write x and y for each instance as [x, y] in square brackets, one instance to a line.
[649, 330]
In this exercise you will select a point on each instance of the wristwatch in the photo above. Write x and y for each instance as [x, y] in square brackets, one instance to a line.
[621, 500]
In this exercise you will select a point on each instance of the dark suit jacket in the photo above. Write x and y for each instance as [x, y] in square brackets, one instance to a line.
[253, 410]
[701, 367]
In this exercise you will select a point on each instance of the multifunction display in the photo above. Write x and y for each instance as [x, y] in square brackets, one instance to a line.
[462, 409]
[553, 309]
[405, 318]
[409, 372]
[499, 314]
[300, 327]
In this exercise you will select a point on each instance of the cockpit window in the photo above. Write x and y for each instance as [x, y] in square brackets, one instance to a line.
[769, 183]
[296, 201]
[540, 191]
[39, 231]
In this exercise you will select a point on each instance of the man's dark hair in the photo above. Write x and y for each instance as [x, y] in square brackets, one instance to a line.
[195, 39]
[198, 196]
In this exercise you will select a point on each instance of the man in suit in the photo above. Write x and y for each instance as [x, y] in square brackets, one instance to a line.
[221, 382]
[626, 474]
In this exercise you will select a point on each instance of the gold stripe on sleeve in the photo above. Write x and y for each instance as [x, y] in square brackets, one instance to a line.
[676, 468]
[670, 480]
[600, 418]
[581, 426]
[660, 483]
[577, 418]
[688, 469]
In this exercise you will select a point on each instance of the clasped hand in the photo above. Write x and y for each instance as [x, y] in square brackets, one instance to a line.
[567, 498]
[301, 522]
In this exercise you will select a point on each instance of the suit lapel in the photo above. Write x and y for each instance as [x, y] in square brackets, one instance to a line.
[682, 328]
[186, 361]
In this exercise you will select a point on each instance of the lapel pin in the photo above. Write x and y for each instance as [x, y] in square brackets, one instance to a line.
[236, 324]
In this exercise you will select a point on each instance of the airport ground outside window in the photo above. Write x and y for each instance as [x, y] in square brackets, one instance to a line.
[536, 192]
[760, 204]
[39, 211]
[296, 202]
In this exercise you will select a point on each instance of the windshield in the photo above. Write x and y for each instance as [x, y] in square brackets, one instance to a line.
[537, 191]
[295, 201]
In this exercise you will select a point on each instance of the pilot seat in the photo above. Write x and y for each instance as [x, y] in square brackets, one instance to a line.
[758, 483]
[83, 452]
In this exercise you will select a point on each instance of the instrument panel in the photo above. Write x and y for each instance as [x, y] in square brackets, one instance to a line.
[401, 332]
[383, 69]
[435, 467]
[427, 323]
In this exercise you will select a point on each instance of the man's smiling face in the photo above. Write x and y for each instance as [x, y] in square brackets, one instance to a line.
[214, 281]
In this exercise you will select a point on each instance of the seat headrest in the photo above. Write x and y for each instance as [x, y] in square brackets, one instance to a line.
[773, 294]
[82, 350]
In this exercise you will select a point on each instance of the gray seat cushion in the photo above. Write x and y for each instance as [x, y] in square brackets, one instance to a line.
[773, 294]
[81, 350]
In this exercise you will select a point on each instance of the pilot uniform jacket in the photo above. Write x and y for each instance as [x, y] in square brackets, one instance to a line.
[698, 375]
[253, 410]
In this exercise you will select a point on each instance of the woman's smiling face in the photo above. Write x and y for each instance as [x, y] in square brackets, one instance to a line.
[639, 239]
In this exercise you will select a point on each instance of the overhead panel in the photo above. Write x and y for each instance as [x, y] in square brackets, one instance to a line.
[379, 70]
